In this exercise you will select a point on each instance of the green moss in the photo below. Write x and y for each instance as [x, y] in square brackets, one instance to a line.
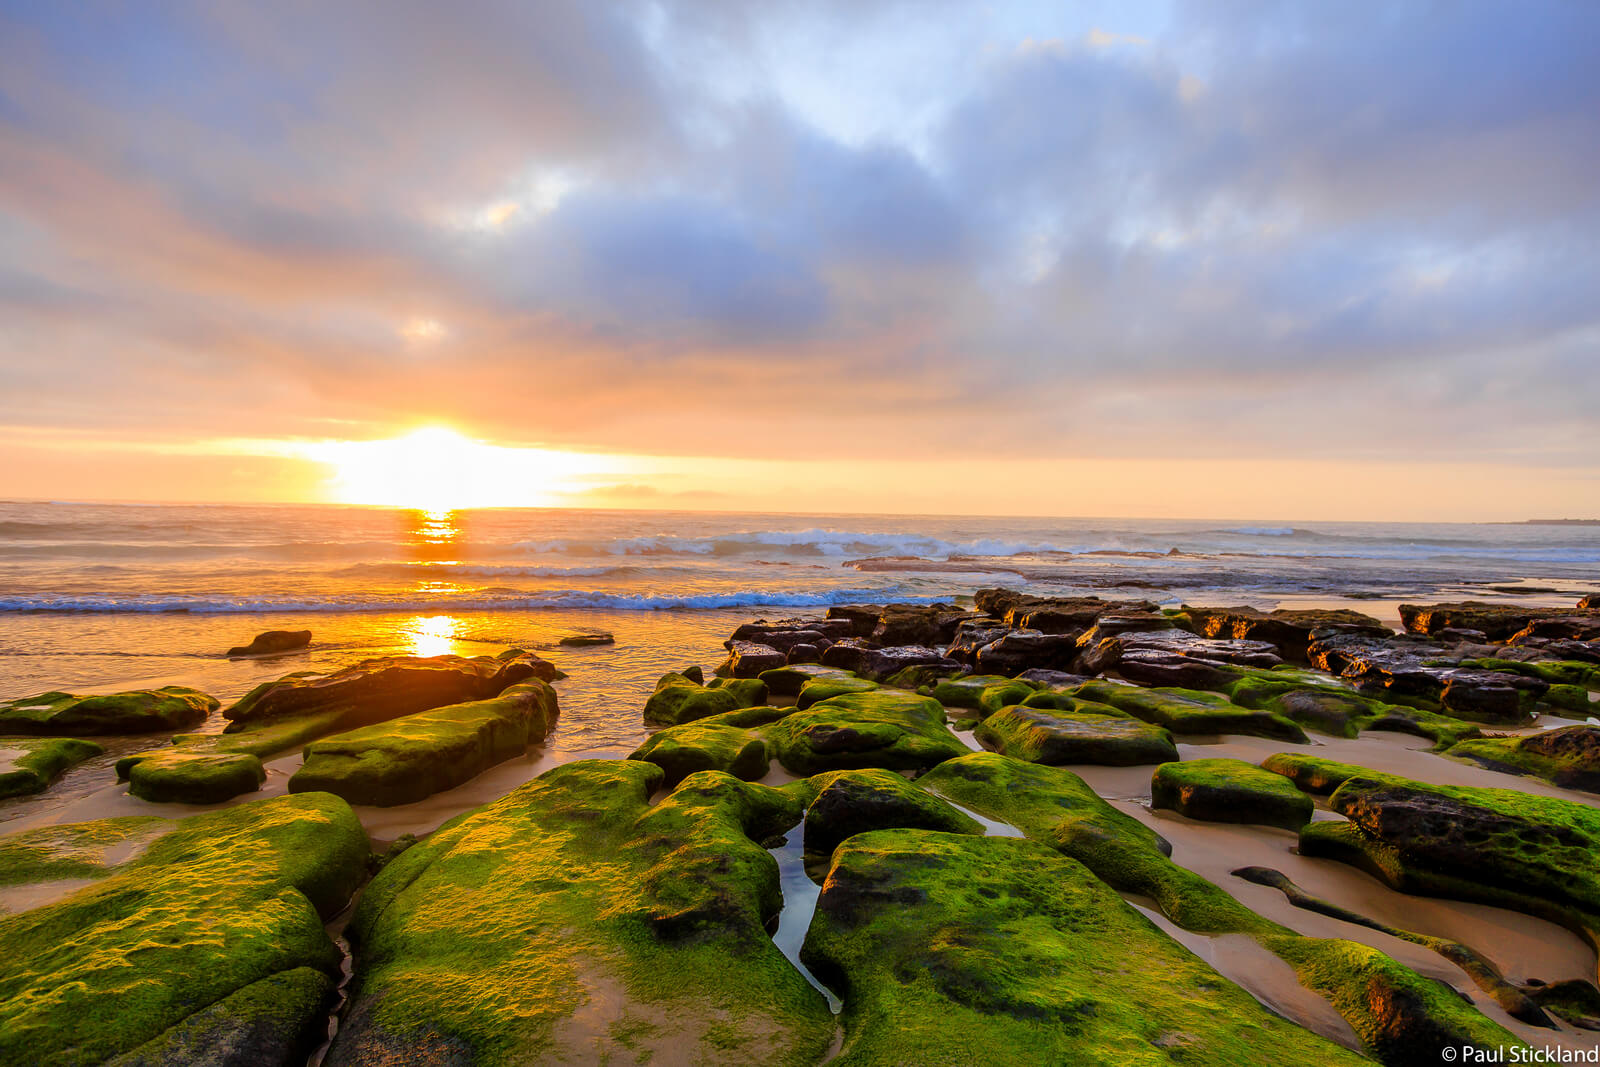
[278, 1020]
[1568, 757]
[1040, 736]
[496, 940]
[1230, 790]
[135, 712]
[224, 900]
[75, 850]
[820, 689]
[183, 776]
[750, 691]
[706, 746]
[966, 691]
[883, 728]
[1401, 1016]
[1573, 698]
[787, 681]
[1312, 774]
[30, 765]
[677, 700]
[852, 802]
[410, 758]
[956, 949]
[1556, 672]
[1190, 711]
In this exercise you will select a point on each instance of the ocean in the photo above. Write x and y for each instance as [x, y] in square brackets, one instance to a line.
[101, 597]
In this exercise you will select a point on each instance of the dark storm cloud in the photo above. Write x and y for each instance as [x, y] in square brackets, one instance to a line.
[1388, 202]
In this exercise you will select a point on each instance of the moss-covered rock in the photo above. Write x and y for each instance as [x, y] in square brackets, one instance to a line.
[707, 745]
[569, 921]
[885, 728]
[385, 688]
[1529, 853]
[967, 691]
[787, 681]
[957, 949]
[30, 765]
[1230, 790]
[819, 689]
[276, 1021]
[76, 851]
[1556, 672]
[410, 758]
[852, 802]
[1190, 711]
[1041, 736]
[678, 699]
[1400, 1016]
[221, 902]
[1568, 756]
[194, 776]
[137, 711]
[748, 691]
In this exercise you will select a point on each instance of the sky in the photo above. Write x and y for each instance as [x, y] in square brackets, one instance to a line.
[1217, 258]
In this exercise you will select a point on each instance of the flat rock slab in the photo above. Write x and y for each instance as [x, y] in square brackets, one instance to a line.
[1186, 711]
[1230, 790]
[137, 711]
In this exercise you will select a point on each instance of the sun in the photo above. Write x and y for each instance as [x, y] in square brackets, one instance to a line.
[437, 469]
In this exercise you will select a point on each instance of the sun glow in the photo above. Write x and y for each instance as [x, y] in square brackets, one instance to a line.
[436, 469]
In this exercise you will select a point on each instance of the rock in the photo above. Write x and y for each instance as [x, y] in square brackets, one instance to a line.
[1289, 630]
[789, 679]
[968, 690]
[1590, 603]
[1055, 679]
[1230, 790]
[1331, 708]
[786, 633]
[273, 642]
[746, 659]
[1022, 650]
[1456, 635]
[277, 1021]
[202, 913]
[878, 664]
[1401, 1017]
[1154, 668]
[187, 776]
[892, 730]
[1400, 669]
[387, 687]
[135, 712]
[410, 758]
[921, 676]
[972, 635]
[678, 699]
[854, 802]
[925, 931]
[1058, 737]
[1498, 621]
[918, 624]
[863, 618]
[590, 640]
[500, 937]
[1144, 622]
[725, 743]
[1559, 628]
[29, 766]
[1511, 849]
[803, 654]
[694, 674]
[1186, 711]
[1568, 756]
[820, 689]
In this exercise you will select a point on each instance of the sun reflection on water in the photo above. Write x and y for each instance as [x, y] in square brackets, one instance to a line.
[432, 635]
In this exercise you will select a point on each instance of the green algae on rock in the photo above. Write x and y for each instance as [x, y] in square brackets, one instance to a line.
[266, 1022]
[1568, 756]
[787, 681]
[569, 921]
[219, 903]
[386, 687]
[819, 689]
[137, 711]
[706, 745]
[968, 691]
[211, 768]
[1041, 736]
[679, 699]
[956, 949]
[412, 757]
[852, 802]
[1401, 1017]
[1230, 790]
[1190, 711]
[885, 728]
[29, 765]
[749, 691]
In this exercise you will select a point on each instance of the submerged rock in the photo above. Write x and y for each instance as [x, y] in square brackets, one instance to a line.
[410, 758]
[988, 949]
[1230, 790]
[30, 765]
[138, 711]
[571, 922]
[172, 942]
[273, 642]
[590, 640]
